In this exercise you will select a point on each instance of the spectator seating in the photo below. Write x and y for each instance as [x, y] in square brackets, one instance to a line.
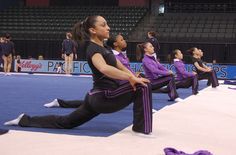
[37, 23]
[194, 27]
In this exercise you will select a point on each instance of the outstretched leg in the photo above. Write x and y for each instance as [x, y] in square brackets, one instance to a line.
[64, 103]
[81, 115]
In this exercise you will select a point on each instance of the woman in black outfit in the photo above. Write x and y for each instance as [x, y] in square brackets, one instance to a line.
[107, 95]
[8, 52]
[203, 71]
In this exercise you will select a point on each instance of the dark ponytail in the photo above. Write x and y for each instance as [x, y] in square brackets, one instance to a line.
[77, 32]
[140, 51]
[111, 40]
[69, 35]
[171, 56]
[153, 33]
[190, 51]
[80, 30]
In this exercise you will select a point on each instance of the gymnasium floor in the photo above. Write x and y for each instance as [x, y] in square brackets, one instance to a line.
[206, 121]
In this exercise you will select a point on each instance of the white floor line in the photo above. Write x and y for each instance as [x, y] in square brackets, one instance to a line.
[44, 74]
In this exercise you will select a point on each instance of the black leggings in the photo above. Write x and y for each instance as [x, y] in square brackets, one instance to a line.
[211, 76]
[188, 82]
[102, 101]
[168, 81]
[70, 104]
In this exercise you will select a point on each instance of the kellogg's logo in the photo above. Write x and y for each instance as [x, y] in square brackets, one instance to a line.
[29, 65]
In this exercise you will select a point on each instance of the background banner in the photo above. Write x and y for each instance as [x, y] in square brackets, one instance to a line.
[82, 67]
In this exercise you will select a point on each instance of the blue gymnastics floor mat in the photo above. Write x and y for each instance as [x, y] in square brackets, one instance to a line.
[28, 93]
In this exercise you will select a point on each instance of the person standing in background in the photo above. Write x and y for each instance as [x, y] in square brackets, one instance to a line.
[18, 63]
[68, 51]
[1, 61]
[8, 51]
